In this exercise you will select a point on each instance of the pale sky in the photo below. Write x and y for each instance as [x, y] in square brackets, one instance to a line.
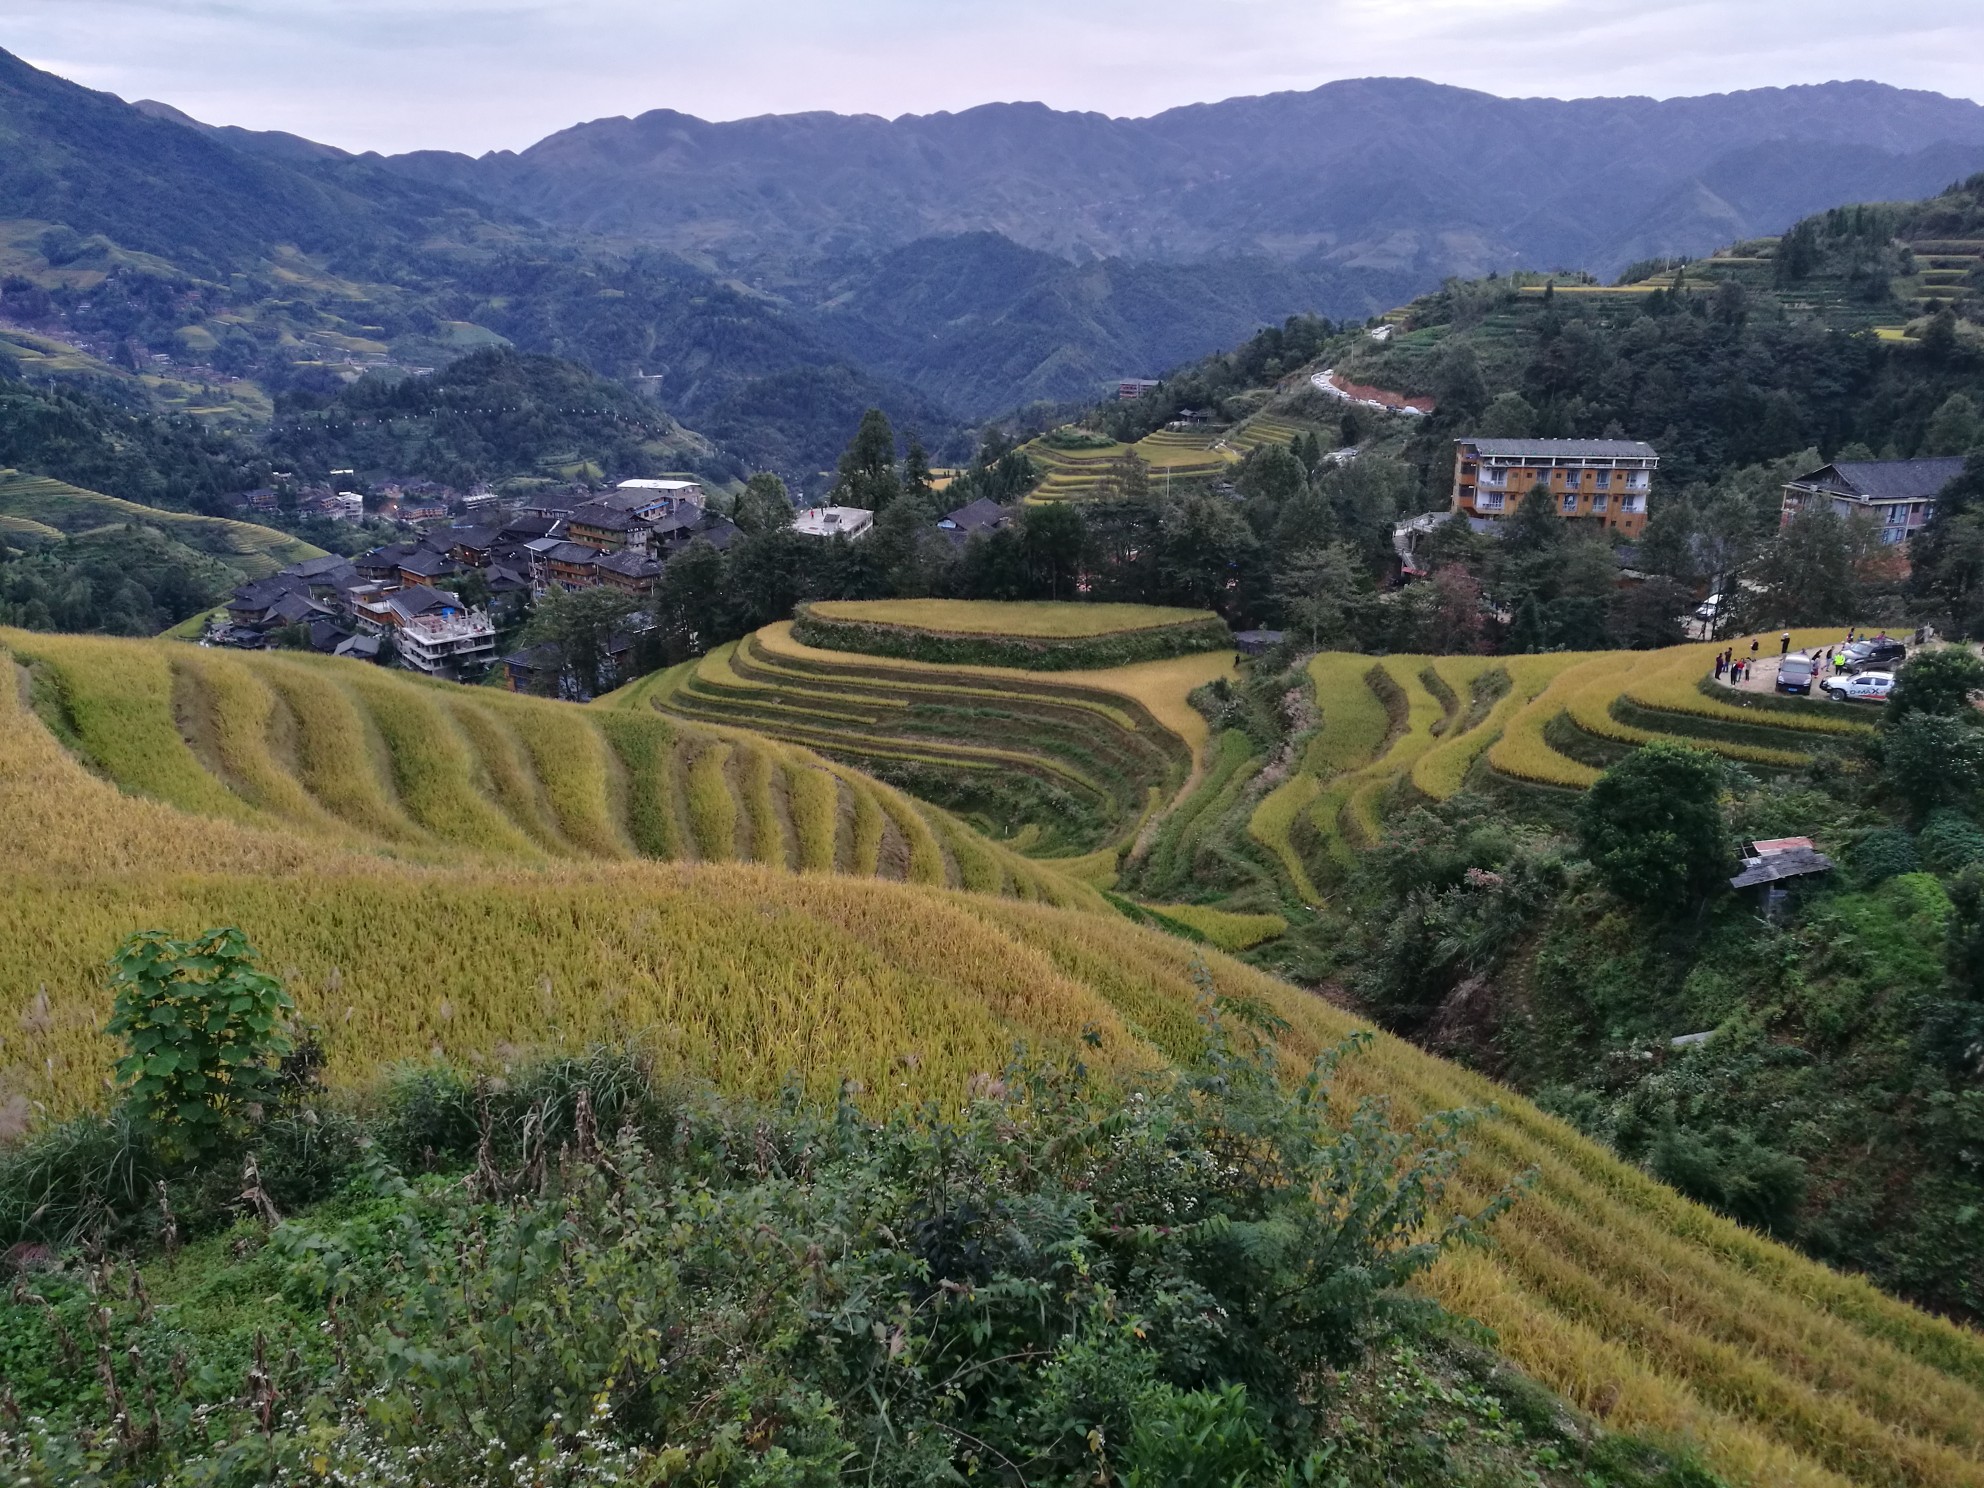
[478, 75]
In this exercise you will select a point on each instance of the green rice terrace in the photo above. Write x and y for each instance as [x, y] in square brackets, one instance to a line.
[34, 509]
[1078, 465]
[1068, 766]
[1146, 779]
[1032, 636]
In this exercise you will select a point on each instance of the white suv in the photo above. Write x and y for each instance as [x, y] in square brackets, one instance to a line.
[1867, 687]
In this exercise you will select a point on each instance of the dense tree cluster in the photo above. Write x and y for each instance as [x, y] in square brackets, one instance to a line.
[131, 581]
[491, 414]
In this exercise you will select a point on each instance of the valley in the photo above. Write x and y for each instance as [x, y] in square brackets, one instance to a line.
[1009, 795]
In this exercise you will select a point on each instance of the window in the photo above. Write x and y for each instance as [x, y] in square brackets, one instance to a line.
[1488, 502]
[1632, 503]
[1599, 501]
[1604, 480]
[1570, 504]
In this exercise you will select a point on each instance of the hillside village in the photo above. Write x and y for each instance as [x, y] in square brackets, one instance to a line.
[654, 852]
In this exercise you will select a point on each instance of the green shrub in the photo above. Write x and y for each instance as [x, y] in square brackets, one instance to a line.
[204, 1030]
[1059, 1281]
[1885, 853]
[1653, 825]
[1949, 840]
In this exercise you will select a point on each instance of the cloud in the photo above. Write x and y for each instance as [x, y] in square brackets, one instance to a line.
[489, 74]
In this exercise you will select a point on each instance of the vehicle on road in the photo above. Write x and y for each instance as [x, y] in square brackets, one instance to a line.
[1880, 654]
[1864, 687]
[1709, 608]
[1795, 672]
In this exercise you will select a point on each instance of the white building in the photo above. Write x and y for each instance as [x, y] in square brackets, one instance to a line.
[447, 644]
[830, 521]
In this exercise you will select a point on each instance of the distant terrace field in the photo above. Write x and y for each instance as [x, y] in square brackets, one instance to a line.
[992, 617]
[251, 551]
[1031, 636]
[1076, 761]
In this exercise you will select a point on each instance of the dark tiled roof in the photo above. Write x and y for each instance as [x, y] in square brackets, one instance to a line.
[543, 656]
[718, 531]
[523, 529]
[571, 552]
[328, 567]
[387, 557]
[294, 608]
[1888, 480]
[429, 565]
[327, 635]
[978, 516]
[423, 600]
[259, 594]
[1550, 449]
[629, 565]
[598, 514]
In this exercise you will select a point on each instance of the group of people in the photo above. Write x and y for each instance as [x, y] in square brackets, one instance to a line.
[1736, 669]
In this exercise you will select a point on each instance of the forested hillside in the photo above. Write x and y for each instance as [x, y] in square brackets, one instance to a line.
[1379, 174]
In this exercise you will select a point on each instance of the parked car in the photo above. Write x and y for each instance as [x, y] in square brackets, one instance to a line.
[1866, 687]
[1883, 653]
[1794, 673]
[1709, 608]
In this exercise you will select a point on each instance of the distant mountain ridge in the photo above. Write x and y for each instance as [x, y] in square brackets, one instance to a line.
[1379, 173]
[770, 277]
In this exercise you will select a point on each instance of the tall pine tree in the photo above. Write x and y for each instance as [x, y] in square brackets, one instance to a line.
[868, 467]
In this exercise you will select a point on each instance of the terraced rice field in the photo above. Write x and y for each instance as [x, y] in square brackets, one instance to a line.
[1634, 1303]
[29, 502]
[1076, 760]
[992, 617]
[371, 761]
[1179, 454]
[1408, 727]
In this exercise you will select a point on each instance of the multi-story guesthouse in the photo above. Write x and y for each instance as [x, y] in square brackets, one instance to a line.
[1606, 480]
[1898, 496]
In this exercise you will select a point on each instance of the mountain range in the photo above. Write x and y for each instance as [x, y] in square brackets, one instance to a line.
[1374, 173]
[768, 275]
